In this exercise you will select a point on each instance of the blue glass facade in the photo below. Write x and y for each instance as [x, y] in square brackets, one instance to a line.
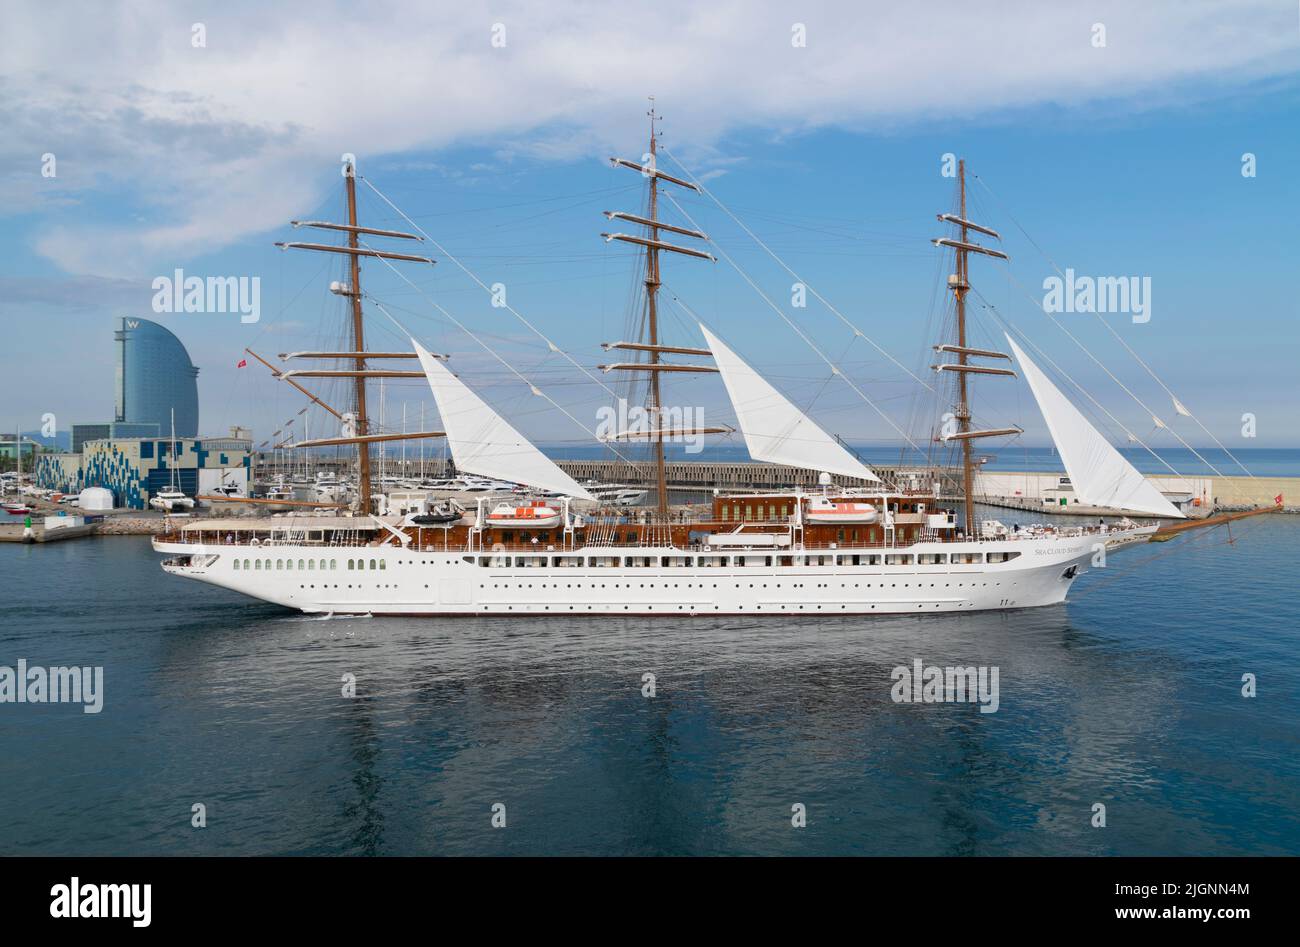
[81, 433]
[154, 377]
[88, 432]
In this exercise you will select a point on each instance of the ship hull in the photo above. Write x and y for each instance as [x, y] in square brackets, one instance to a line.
[396, 581]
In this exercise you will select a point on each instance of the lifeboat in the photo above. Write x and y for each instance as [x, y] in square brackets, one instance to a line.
[824, 511]
[536, 515]
[443, 515]
[436, 518]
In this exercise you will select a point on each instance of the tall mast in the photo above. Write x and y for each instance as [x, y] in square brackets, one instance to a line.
[358, 355]
[959, 283]
[172, 459]
[653, 245]
[963, 405]
[651, 289]
[358, 344]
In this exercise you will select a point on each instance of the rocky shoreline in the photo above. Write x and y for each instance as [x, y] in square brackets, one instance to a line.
[129, 526]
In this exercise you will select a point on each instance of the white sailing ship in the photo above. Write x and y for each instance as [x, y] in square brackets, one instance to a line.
[858, 546]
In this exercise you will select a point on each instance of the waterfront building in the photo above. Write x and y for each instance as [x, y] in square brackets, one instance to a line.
[154, 378]
[135, 469]
[113, 430]
[9, 450]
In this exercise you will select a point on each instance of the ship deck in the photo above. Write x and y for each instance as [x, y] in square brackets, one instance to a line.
[695, 535]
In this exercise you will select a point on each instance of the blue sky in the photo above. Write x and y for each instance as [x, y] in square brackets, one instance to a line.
[1117, 161]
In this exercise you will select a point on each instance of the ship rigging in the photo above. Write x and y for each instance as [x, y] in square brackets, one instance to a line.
[652, 347]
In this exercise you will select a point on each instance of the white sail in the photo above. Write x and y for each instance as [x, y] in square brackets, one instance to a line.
[483, 443]
[775, 430]
[1099, 473]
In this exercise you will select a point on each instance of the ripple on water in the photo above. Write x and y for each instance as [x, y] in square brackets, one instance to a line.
[1128, 696]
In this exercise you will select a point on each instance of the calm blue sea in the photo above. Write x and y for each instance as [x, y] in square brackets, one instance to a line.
[1128, 696]
[1258, 462]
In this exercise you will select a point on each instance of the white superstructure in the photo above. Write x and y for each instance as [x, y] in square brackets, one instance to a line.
[349, 565]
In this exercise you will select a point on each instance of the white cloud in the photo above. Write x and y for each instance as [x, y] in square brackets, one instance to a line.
[72, 294]
[212, 144]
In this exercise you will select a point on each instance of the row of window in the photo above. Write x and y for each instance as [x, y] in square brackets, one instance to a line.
[286, 565]
[758, 512]
[748, 559]
[703, 585]
[633, 562]
[769, 511]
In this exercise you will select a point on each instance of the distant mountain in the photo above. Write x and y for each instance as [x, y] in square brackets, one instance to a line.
[62, 440]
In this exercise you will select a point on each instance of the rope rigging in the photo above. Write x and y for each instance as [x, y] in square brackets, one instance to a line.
[1180, 407]
[487, 348]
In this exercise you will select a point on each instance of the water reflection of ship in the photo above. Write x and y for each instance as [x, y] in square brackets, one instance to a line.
[745, 713]
[362, 815]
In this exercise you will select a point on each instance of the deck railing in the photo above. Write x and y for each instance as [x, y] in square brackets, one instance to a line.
[422, 542]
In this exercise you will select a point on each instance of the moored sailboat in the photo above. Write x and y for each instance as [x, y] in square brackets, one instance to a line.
[171, 499]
